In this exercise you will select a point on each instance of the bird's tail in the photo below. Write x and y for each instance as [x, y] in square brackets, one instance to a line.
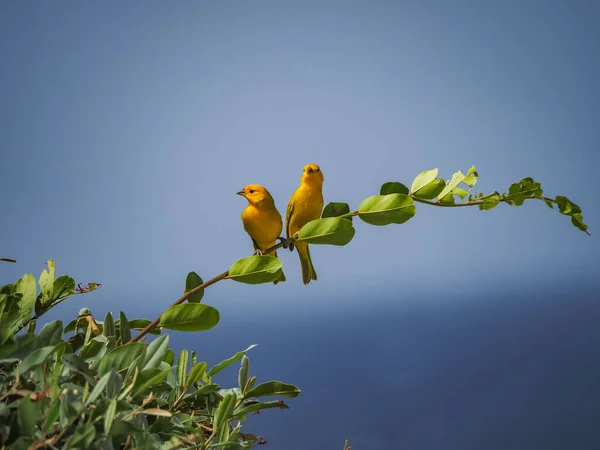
[282, 277]
[308, 270]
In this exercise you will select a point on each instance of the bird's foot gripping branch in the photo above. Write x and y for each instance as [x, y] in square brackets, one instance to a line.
[87, 385]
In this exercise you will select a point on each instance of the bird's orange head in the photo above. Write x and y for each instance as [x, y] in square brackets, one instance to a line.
[312, 175]
[257, 195]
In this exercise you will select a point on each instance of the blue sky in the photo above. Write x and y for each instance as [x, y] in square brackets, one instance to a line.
[127, 128]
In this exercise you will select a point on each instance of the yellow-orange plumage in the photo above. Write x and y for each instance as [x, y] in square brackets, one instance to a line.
[261, 219]
[306, 204]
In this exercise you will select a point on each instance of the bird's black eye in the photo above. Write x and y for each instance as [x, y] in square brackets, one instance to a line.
[318, 170]
[252, 191]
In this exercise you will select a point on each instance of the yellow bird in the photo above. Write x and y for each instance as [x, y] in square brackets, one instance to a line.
[261, 220]
[305, 205]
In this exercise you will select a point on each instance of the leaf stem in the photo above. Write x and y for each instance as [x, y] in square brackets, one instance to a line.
[446, 205]
[350, 214]
[502, 198]
[188, 294]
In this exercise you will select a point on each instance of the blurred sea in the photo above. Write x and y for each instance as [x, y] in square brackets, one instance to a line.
[497, 372]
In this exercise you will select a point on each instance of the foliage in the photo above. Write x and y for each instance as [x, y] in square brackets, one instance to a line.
[104, 389]
[97, 389]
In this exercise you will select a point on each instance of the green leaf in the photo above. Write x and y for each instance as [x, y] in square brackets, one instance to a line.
[274, 388]
[471, 177]
[169, 357]
[252, 406]
[109, 416]
[195, 374]
[456, 179]
[387, 209]
[568, 208]
[223, 364]
[190, 317]
[489, 201]
[28, 416]
[75, 364]
[62, 288]
[244, 373]
[95, 349]
[7, 344]
[192, 281]
[431, 190]
[148, 382]
[518, 192]
[36, 358]
[114, 385]
[10, 314]
[460, 192]
[393, 187]
[27, 287]
[336, 209]
[46, 281]
[51, 416]
[156, 352]
[331, 231]
[447, 200]
[256, 269]
[23, 345]
[182, 363]
[577, 220]
[70, 408]
[207, 389]
[222, 415]
[83, 436]
[51, 334]
[250, 384]
[124, 330]
[423, 179]
[121, 358]
[108, 328]
[99, 388]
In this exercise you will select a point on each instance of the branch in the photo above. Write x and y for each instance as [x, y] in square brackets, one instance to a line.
[188, 294]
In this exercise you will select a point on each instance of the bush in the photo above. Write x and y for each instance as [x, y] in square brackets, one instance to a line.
[98, 389]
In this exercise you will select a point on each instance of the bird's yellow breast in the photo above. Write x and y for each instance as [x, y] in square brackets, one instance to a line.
[264, 226]
[307, 205]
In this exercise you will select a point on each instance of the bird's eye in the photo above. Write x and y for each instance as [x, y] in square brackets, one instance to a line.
[252, 191]
[318, 170]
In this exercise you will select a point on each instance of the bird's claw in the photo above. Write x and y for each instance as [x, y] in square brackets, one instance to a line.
[286, 243]
[258, 252]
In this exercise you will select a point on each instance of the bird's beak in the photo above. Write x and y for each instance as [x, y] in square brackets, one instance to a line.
[309, 170]
[242, 193]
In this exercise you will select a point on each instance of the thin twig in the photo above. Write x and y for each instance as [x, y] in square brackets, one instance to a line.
[479, 202]
[191, 292]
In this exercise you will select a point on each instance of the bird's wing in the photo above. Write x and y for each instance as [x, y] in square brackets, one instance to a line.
[288, 216]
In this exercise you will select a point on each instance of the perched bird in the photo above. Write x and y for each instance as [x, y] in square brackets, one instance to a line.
[305, 205]
[261, 220]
